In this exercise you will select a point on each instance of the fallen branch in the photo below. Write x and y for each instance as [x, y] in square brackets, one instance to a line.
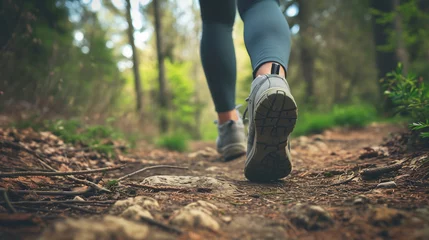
[79, 208]
[8, 204]
[160, 225]
[347, 180]
[49, 193]
[64, 201]
[38, 173]
[41, 160]
[38, 209]
[149, 168]
[157, 188]
[375, 172]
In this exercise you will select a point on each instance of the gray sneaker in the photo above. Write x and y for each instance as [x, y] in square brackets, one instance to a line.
[272, 117]
[231, 141]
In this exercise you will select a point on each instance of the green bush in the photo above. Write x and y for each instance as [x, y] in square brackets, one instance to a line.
[354, 115]
[341, 115]
[410, 96]
[176, 142]
[96, 137]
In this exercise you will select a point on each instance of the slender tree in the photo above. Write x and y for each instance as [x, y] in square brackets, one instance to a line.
[137, 81]
[401, 49]
[306, 48]
[163, 121]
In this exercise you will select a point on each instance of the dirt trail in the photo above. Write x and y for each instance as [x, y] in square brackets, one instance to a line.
[325, 197]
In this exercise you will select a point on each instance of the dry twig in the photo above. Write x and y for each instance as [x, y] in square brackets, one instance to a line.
[106, 202]
[41, 160]
[79, 208]
[375, 172]
[6, 199]
[149, 168]
[49, 193]
[38, 173]
[347, 180]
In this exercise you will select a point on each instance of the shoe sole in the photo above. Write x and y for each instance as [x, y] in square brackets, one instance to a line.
[275, 117]
[233, 151]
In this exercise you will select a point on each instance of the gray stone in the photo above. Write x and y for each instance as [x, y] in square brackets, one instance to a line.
[109, 227]
[310, 217]
[390, 184]
[197, 215]
[216, 185]
[256, 227]
[135, 213]
[195, 218]
[142, 201]
[77, 198]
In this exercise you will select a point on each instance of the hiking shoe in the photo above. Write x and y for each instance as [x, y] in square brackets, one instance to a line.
[272, 117]
[231, 141]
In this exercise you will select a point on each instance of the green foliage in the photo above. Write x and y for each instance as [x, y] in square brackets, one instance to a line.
[414, 19]
[42, 64]
[349, 115]
[96, 137]
[176, 142]
[410, 97]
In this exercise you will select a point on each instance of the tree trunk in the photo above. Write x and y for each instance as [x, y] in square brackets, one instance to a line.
[401, 49]
[137, 82]
[385, 61]
[306, 49]
[163, 121]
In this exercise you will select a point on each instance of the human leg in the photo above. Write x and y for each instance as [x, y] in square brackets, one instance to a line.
[271, 106]
[219, 64]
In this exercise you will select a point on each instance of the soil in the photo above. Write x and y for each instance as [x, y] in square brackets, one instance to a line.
[327, 195]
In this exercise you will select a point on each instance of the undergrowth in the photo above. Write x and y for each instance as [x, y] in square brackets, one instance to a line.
[354, 116]
[410, 97]
[176, 142]
[96, 137]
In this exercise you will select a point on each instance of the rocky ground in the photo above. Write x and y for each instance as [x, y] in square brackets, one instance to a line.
[346, 184]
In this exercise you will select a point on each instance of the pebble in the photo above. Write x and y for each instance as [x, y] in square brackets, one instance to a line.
[390, 184]
[135, 213]
[77, 198]
[197, 215]
[310, 217]
[109, 227]
[142, 201]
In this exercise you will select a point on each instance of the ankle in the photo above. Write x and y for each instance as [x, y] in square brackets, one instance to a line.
[266, 69]
[224, 117]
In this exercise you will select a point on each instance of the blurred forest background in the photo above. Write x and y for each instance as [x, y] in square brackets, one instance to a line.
[136, 64]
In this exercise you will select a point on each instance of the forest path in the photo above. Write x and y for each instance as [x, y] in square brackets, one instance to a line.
[326, 196]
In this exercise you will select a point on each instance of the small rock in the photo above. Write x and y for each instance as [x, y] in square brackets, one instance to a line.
[386, 217]
[200, 204]
[195, 218]
[217, 186]
[135, 212]
[77, 198]
[360, 200]
[321, 145]
[303, 140]
[213, 169]
[109, 227]
[390, 184]
[226, 219]
[310, 217]
[206, 153]
[198, 215]
[142, 201]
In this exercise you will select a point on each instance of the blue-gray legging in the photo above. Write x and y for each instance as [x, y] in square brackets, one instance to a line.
[266, 35]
